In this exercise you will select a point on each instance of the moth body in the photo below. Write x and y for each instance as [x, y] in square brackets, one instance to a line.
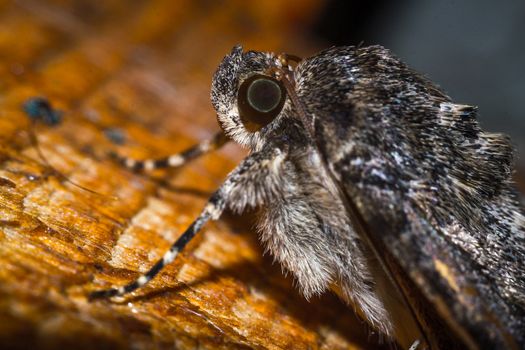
[371, 182]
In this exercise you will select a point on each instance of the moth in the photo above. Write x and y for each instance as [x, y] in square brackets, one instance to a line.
[371, 183]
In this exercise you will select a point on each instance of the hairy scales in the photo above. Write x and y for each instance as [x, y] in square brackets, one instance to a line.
[302, 221]
[371, 182]
[405, 152]
[435, 188]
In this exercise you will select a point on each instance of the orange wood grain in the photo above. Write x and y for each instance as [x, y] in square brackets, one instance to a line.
[143, 67]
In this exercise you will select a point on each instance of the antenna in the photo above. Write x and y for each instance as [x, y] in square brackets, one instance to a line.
[39, 109]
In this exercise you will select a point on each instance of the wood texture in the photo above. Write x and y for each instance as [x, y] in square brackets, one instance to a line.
[143, 67]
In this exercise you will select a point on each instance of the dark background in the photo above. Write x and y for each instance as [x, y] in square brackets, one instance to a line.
[474, 49]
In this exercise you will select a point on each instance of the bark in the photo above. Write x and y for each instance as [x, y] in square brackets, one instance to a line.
[144, 69]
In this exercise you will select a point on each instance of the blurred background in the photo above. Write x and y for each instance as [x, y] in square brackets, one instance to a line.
[142, 68]
[474, 49]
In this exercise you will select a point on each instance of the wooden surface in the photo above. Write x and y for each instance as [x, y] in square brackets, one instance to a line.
[144, 67]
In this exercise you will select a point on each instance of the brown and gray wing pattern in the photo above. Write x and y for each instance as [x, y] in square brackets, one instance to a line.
[433, 189]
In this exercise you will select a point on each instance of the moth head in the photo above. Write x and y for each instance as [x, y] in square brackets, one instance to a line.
[247, 96]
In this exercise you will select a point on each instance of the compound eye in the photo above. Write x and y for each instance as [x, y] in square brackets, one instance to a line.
[260, 99]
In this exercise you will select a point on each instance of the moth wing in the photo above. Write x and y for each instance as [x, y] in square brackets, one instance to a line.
[396, 144]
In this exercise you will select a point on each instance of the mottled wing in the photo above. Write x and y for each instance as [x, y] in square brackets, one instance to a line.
[432, 189]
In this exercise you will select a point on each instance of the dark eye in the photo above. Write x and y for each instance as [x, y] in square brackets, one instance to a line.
[260, 99]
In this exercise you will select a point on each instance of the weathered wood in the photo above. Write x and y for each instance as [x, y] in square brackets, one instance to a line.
[145, 68]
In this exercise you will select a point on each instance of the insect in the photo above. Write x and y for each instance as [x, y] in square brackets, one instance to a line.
[371, 183]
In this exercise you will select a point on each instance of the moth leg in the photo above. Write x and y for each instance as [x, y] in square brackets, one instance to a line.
[254, 169]
[414, 345]
[174, 160]
[168, 257]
